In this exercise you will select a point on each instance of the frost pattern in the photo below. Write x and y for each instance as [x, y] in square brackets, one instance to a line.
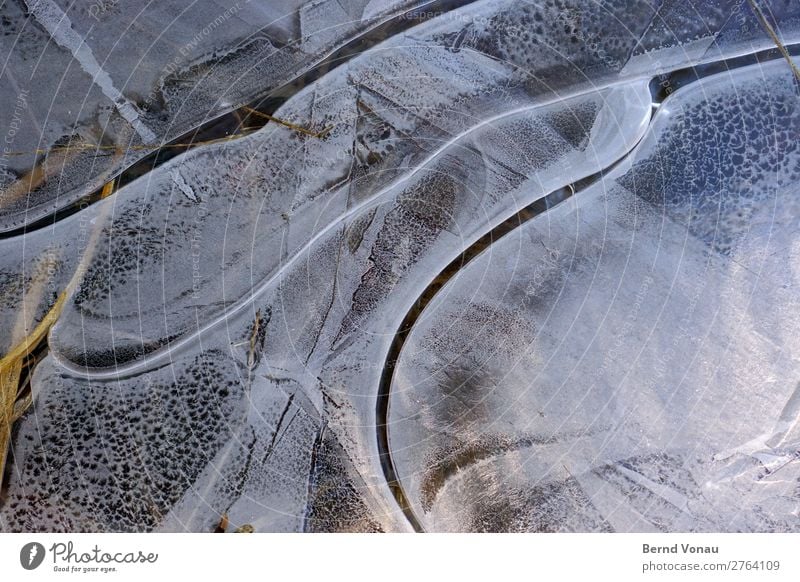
[172, 69]
[241, 299]
[313, 323]
[302, 373]
[626, 361]
[127, 80]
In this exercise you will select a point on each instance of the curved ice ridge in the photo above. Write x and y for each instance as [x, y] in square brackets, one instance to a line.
[635, 371]
[162, 356]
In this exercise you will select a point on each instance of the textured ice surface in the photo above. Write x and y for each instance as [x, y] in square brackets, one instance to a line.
[628, 360]
[468, 65]
[304, 379]
[234, 308]
[125, 80]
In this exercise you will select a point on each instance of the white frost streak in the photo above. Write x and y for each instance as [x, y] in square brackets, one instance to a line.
[58, 24]
[183, 186]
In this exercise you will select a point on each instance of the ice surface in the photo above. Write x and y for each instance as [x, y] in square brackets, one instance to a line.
[125, 80]
[317, 325]
[626, 361]
[233, 310]
[105, 83]
[322, 326]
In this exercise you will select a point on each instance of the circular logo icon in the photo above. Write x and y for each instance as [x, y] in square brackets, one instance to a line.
[31, 555]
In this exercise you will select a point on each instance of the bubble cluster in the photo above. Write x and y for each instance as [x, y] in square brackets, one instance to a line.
[117, 456]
